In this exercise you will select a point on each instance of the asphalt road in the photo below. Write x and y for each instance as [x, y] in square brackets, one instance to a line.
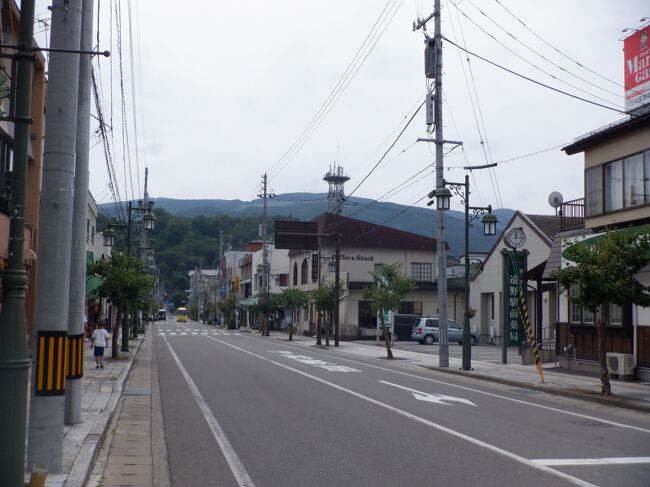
[240, 409]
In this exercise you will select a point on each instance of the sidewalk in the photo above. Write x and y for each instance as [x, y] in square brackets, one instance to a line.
[101, 391]
[633, 395]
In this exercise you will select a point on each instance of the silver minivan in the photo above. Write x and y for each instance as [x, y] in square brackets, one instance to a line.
[426, 331]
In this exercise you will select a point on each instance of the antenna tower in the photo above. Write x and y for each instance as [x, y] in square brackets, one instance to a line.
[336, 179]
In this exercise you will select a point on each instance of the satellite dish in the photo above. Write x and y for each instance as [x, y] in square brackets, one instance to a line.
[555, 199]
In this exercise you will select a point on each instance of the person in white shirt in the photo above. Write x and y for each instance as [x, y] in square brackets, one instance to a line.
[99, 341]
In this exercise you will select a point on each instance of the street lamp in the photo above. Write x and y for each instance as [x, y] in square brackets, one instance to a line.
[489, 220]
[143, 209]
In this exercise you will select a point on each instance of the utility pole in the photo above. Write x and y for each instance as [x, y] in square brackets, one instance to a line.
[79, 233]
[47, 406]
[440, 214]
[14, 359]
[265, 257]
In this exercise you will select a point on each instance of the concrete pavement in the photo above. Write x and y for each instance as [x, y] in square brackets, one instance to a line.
[101, 392]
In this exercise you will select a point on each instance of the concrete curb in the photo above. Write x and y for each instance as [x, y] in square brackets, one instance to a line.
[614, 401]
[83, 463]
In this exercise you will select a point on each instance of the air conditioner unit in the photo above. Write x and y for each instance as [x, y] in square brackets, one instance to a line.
[620, 364]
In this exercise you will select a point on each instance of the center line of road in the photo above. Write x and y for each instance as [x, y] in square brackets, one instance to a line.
[462, 436]
[235, 464]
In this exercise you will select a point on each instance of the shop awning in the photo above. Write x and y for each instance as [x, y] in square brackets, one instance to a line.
[248, 302]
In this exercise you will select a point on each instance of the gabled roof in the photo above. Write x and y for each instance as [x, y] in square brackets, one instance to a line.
[545, 226]
[357, 233]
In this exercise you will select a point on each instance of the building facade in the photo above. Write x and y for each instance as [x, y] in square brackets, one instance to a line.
[363, 248]
[616, 196]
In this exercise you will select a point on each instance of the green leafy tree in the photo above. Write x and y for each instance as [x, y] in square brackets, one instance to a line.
[126, 283]
[292, 298]
[391, 286]
[324, 298]
[227, 307]
[604, 274]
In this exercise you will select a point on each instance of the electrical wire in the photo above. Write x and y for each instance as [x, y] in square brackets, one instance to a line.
[555, 48]
[384, 156]
[540, 55]
[346, 78]
[535, 66]
[617, 110]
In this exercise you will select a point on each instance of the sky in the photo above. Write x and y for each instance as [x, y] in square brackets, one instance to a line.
[218, 93]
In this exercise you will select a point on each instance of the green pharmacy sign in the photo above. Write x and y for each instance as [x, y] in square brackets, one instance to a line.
[514, 266]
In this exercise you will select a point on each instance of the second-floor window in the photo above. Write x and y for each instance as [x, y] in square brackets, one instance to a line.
[421, 271]
[620, 184]
[304, 269]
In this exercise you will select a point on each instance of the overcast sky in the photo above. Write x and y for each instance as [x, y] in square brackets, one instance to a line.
[223, 89]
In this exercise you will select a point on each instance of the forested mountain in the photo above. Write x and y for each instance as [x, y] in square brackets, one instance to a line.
[186, 234]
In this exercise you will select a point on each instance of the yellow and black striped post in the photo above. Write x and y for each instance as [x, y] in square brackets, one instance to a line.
[51, 363]
[75, 356]
[529, 332]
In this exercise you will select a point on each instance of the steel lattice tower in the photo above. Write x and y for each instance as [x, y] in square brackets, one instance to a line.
[336, 194]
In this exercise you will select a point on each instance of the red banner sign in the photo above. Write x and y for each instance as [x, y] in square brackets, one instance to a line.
[637, 69]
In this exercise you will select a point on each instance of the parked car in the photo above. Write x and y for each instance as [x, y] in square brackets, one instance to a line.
[425, 331]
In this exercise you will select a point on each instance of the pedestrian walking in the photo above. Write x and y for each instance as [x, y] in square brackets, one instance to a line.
[98, 342]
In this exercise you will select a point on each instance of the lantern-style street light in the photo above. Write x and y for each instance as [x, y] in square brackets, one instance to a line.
[443, 197]
[144, 210]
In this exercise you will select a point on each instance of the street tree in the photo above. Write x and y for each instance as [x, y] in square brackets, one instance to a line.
[227, 307]
[292, 298]
[604, 274]
[391, 285]
[324, 299]
[126, 283]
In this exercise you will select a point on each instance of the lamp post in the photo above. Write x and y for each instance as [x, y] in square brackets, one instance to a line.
[148, 221]
[443, 197]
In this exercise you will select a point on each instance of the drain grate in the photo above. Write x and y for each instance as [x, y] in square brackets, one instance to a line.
[135, 391]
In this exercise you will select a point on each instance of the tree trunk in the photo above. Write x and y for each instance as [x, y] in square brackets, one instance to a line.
[389, 352]
[606, 387]
[116, 331]
[291, 328]
[319, 320]
[328, 331]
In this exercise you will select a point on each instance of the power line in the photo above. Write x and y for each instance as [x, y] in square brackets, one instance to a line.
[542, 56]
[617, 110]
[344, 81]
[555, 48]
[535, 66]
[385, 153]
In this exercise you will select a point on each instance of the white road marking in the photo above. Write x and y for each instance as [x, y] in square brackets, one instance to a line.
[236, 467]
[592, 461]
[172, 333]
[195, 333]
[498, 396]
[462, 436]
[430, 397]
[305, 359]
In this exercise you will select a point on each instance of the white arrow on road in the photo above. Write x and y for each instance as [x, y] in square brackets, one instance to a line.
[435, 398]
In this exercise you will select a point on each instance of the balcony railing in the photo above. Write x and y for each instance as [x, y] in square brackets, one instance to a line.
[572, 215]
